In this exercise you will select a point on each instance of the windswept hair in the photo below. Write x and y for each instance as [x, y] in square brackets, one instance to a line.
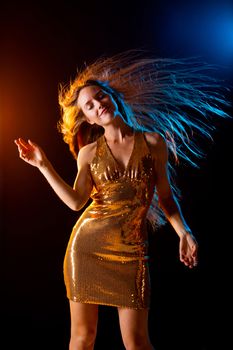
[176, 98]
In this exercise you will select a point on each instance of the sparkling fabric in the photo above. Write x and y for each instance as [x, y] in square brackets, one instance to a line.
[106, 261]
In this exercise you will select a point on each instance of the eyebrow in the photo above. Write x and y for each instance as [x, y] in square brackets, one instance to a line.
[96, 94]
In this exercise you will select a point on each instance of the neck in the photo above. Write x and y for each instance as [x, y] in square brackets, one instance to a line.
[116, 132]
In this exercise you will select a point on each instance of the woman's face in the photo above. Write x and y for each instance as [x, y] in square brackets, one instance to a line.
[97, 105]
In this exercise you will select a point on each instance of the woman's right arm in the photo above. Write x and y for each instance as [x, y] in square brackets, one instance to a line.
[75, 197]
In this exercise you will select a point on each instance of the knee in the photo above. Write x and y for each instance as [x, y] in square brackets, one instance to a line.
[83, 339]
[137, 342]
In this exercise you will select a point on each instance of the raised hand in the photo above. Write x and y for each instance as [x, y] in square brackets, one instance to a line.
[31, 153]
[188, 250]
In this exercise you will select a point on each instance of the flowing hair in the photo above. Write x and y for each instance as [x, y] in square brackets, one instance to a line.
[176, 98]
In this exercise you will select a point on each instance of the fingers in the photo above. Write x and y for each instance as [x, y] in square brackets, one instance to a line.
[195, 260]
[189, 258]
[186, 260]
[189, 261]
[33, 144]
[188, 251]
[23, 147]
[21, 143]
[194, 254]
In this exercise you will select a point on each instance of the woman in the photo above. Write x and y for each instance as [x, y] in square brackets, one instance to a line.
[114, 120]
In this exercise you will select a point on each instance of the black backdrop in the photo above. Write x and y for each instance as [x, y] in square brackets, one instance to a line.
[41, 46]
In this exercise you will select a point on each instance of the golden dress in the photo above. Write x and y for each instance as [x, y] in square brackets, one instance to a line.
[106, 260]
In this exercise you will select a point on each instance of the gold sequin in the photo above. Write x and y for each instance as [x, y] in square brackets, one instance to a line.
[106, 261]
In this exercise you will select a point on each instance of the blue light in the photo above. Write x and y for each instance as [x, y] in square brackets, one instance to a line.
[206, 30]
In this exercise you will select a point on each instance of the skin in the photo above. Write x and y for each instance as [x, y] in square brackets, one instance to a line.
[100, 108]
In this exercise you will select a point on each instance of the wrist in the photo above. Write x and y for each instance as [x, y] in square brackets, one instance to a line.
[184, 232]
[44, 165]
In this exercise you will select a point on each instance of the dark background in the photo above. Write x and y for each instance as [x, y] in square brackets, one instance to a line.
[42, 44]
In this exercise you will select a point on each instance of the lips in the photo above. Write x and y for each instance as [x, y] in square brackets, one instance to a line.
[103, 111]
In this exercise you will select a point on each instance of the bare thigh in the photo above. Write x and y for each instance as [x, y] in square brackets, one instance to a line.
[84, 319]
[134, 327]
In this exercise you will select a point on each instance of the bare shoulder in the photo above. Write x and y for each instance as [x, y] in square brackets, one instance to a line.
[87, 153]
[155, 140]
[157, 145]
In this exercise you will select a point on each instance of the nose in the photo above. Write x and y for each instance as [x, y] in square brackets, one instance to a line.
[99, 106]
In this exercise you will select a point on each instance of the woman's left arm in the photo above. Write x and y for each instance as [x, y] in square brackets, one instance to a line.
[188, 246]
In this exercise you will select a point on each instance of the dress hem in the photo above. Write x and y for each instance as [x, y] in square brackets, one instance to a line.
[107, 304]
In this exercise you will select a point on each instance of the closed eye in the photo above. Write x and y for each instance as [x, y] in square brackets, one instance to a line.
[89, 106]
[101, 95]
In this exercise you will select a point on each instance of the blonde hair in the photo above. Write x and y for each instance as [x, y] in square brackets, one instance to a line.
[175, 97]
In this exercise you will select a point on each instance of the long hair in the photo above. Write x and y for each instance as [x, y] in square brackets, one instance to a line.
[176, 98]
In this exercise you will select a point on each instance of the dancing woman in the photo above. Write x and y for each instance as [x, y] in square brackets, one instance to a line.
[128, 120]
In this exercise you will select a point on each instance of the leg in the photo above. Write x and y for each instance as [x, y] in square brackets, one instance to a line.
[84, 319]
[134, 329]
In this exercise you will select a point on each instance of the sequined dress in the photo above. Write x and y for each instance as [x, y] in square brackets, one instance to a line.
[106, 260]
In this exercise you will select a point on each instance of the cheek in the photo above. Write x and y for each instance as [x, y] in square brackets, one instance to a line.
[86, 116]
[91, 117]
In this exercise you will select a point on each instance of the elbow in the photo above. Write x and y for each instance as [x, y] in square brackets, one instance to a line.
[77, 205]
[75, 208]
[168, 205]
[79, 200]
[166, 200]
